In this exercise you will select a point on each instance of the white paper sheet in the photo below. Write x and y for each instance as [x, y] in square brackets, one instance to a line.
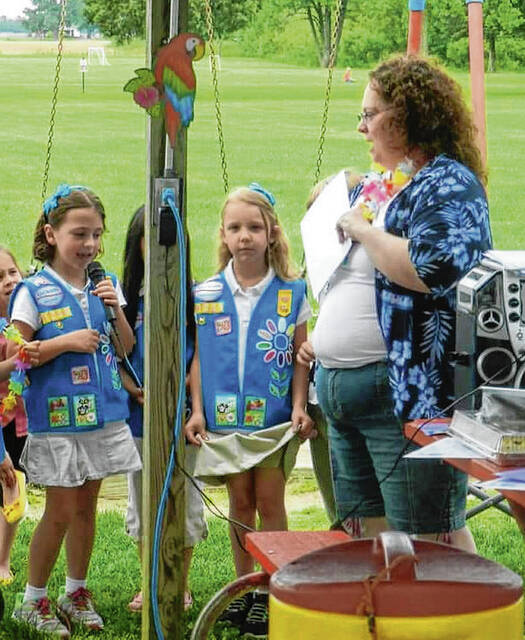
[503, 485]
[322, 249]
[446, 448]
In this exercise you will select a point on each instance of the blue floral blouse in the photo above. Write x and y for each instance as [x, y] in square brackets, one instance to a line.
[443, 212]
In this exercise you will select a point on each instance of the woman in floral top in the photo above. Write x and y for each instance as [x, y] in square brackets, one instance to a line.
[435, 229]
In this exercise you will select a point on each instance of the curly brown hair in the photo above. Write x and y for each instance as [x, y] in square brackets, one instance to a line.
[77, 199]
[428, 106]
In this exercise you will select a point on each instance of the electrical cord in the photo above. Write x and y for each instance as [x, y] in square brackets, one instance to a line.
[517, 360]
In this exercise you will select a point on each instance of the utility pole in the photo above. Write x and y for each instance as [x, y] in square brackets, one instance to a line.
[164, 370]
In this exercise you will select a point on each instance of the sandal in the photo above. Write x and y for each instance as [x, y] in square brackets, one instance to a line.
[135, 606]
[16, 510]
[7, 580]
[188, 600]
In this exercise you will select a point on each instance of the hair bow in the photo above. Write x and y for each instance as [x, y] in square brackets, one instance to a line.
[61, 191]
[255, 186]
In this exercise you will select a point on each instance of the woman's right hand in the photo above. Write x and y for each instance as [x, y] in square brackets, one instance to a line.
[305, 354]
[84, 341]
[195, 429]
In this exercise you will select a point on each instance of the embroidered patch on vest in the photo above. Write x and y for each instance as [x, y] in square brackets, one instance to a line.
[254, 411]
[209, 290]
[223, 325]
[209, 307]
[58, 411]
[55, 315]
[85, 409]
[284, 302]
[49, 295]
[201, 320]
[225, 410]
[80, 375]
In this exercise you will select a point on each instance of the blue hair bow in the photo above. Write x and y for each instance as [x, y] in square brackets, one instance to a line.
[61, 191]
[255, 186]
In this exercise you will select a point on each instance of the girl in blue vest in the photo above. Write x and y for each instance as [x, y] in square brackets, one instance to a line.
[13, 426]
[132, 281]
[76, 405]
[251, 320]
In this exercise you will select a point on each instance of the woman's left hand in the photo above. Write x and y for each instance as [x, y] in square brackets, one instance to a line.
[106, 292]
[303, 425]
[352, 223]
[7, 472]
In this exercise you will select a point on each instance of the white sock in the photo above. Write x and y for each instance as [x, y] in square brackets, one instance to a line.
[34, 593]
[72, 585]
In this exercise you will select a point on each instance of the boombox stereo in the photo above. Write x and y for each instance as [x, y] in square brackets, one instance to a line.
[490, 325]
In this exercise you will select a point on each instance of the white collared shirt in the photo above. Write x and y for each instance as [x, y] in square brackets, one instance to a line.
[245, 301]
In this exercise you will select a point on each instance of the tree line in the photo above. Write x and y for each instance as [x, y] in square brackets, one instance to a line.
[301, 31]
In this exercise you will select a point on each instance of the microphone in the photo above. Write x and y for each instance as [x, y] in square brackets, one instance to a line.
[96, 274]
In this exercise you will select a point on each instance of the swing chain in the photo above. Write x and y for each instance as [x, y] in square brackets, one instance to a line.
[215, 79]
[339, 15]
[61, 30]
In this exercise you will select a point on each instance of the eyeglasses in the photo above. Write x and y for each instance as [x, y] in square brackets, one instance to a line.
[367, 116]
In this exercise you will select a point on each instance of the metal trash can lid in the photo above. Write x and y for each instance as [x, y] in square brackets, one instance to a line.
[407, 577]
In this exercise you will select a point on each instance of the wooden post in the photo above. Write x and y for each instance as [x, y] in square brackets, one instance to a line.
[477, 72]
[415, 26]
[164, 372]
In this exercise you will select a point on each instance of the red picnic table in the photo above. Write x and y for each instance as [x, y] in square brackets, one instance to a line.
[480, 468]
[272, 549]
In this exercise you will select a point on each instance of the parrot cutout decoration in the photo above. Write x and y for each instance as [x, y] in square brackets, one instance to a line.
[170, 87]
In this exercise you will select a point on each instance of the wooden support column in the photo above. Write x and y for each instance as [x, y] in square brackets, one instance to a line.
[477, 72]
[415, 26]
[164, 372]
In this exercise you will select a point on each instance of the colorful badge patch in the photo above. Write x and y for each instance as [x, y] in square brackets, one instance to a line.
[284, 302]
[49, 295]
[209, 307]
[58, 412]
[223, 325]
[80, 375]
[254, 411]
[85, 409]
[55, 315]
[226, 411]
[209, 290]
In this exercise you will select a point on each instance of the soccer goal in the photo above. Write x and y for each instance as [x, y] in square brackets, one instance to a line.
[97, 55]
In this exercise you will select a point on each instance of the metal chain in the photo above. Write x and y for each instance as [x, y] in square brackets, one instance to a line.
[331, 61]
[54, 99]
[215, 79]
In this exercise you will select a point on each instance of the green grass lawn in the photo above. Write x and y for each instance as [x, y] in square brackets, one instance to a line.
[115, 575]
[271, 116]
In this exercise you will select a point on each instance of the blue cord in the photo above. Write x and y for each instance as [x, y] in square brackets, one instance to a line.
[168, 197]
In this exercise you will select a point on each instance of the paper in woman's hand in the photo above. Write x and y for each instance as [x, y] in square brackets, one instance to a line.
[323, 249]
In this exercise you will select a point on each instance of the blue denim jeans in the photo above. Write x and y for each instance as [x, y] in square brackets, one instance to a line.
[371, 478]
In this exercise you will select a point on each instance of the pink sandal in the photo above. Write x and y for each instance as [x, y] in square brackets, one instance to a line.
[188, 600]
[135, 606]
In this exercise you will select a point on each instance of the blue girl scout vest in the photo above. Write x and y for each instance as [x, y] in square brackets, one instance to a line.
[136, 411]
[263, 397]
[76, 391]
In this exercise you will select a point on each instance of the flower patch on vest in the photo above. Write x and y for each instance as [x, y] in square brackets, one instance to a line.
[277, 342]
[109, 357]
[225, 410]
[85, 409]
[58, 412]
[254, 411]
